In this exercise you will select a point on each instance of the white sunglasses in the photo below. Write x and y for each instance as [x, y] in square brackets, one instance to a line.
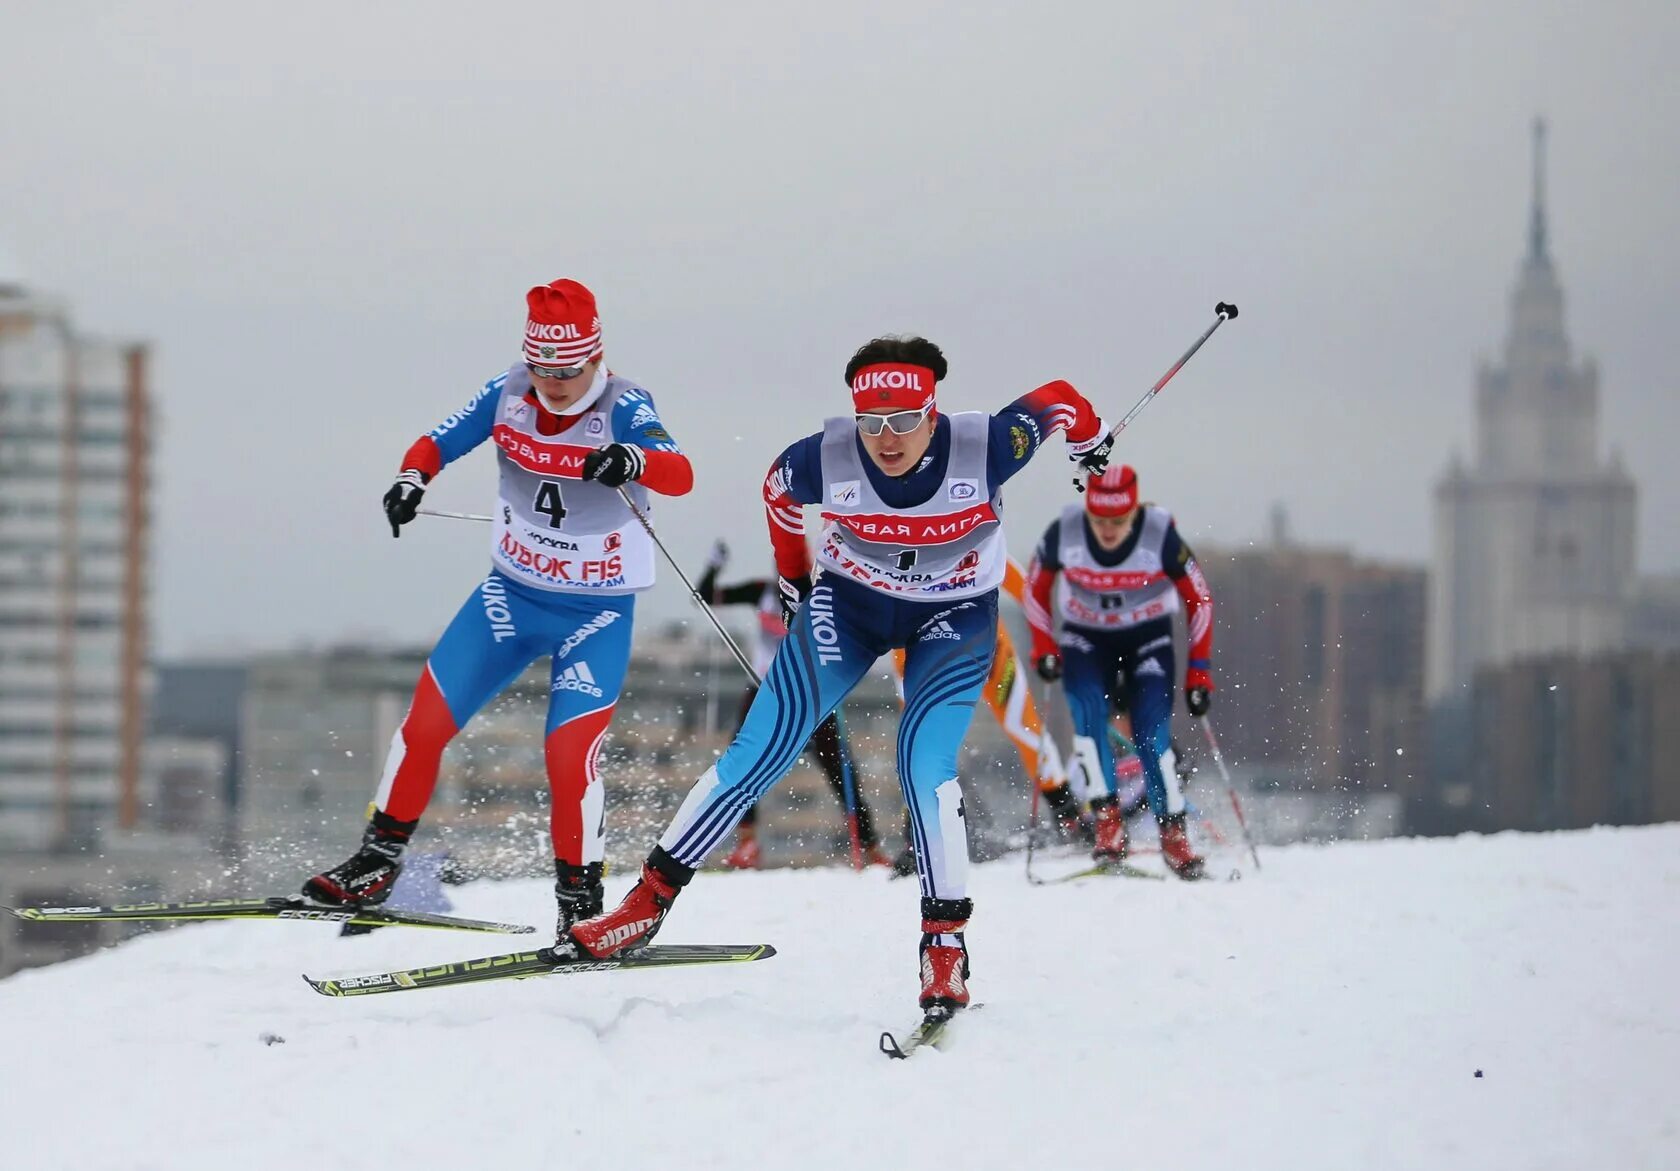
[899, 422]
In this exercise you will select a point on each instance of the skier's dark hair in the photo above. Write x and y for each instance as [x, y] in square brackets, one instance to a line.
[911, 351]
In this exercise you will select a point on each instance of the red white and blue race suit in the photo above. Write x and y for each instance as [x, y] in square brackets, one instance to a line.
[567, 561]
[911, 562]
[1115, 608]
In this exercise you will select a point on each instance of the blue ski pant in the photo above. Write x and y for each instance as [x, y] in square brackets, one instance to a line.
[839, 632]
[1100, 668]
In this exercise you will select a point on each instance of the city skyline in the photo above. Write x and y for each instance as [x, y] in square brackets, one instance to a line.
[1369, 237]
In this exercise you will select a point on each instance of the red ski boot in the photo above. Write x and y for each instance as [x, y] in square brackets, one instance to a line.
[1111, 844]
[875, 856]
[1175, 848]
[745, 855]
[944, 955]
[633, 923]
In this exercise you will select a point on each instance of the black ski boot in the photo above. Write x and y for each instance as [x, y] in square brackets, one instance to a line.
[577, 890]
[367, 876]
[1065, 815]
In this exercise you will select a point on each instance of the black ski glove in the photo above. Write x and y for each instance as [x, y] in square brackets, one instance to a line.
[1049, 667]
[1198, 690]
[706, 587]
[402, 500]
[615, 465]
[794, 592]
[1092, 455]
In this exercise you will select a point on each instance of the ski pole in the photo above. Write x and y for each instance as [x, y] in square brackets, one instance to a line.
[1032, 830]
[848, 787]
[453, 515]
[728, 639]
[1223, 312]
[1230, 790]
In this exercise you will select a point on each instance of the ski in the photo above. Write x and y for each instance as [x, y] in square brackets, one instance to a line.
[1102, 870]
[930, 1033]
[293, 907]
[544, 962]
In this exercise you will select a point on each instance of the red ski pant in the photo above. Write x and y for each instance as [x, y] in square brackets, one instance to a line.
[500, 630]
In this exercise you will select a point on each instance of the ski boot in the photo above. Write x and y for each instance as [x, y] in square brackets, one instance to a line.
[577, 891]
[367, 876]
[745, 855]
[944, 956]
[633, 923]
[1111, 844]
[1175, 848]
[1068, 818]
[875, 856]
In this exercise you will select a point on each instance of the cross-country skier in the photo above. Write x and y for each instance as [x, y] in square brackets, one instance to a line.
[912, 554]
[1123, 570]
[567, 560]
[830, 749]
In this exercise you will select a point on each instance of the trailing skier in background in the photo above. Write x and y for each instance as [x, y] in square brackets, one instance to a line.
[827, 744]
[1123, 571]
[567, 560]
[912, 554]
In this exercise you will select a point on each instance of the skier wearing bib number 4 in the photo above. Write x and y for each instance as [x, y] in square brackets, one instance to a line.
[567, 559]
[912, 554]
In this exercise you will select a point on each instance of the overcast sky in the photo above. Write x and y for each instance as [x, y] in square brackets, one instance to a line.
[325, 217]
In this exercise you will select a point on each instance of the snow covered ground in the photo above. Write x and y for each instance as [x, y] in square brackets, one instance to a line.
[1331, 1012]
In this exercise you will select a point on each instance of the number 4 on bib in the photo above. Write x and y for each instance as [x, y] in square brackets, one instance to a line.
[549, 503]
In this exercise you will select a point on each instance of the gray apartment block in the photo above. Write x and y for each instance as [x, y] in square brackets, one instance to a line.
[74, 426]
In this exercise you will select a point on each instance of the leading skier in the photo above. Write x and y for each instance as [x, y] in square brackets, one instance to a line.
[567, 561]
[828, 745]
[912, 554]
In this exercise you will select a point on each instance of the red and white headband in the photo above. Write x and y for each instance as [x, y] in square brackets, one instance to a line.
[898, 386]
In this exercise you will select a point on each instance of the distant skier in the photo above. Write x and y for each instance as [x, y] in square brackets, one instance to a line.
[912, 554]
[827, 744]
[567, 560]
[1123, 570]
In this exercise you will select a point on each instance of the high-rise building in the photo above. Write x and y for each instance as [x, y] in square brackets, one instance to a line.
[74, 438]
[1564, 742]
[1534, 540]
[1318, 657]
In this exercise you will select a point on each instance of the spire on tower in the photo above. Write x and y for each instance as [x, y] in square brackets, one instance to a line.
[1537, 214]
